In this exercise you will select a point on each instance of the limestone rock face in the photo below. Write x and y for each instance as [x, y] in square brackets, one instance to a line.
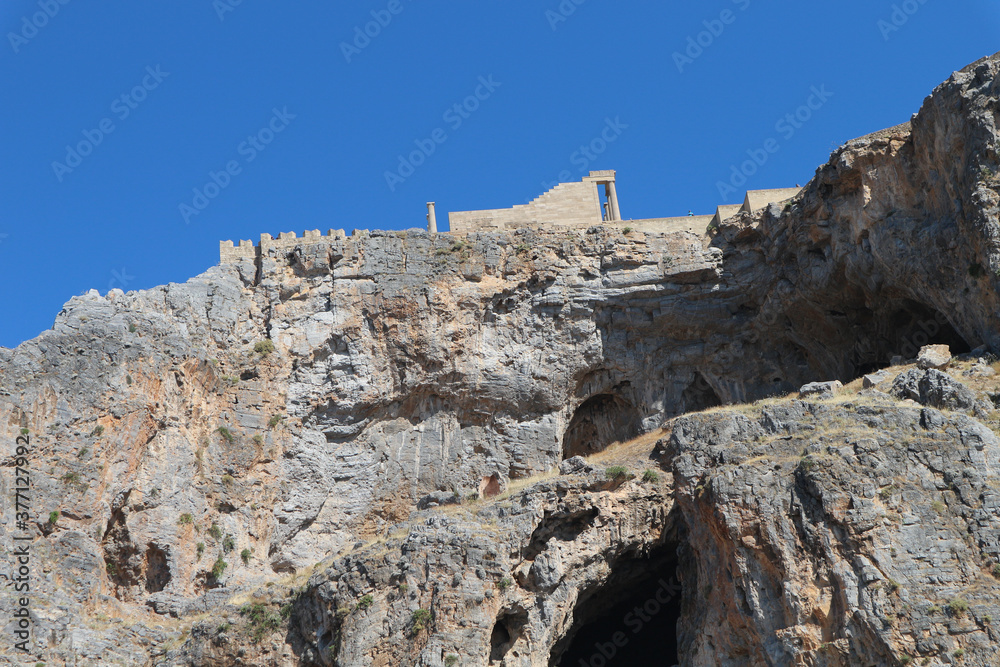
[853, 544]
[202, 440]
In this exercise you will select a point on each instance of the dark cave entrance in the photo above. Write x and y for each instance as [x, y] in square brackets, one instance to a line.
[598, 422]
[916, 325]
[699, 395]
[631, 619]
[908, 327]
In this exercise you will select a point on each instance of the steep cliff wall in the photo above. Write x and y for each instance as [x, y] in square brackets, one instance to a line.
[204, 439]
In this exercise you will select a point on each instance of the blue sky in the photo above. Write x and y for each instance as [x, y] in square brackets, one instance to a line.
[154, 98]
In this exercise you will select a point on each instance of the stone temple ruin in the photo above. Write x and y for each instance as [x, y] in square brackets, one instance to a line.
[579, 205]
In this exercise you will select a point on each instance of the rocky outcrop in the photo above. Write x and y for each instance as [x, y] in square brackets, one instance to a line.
[205, 439]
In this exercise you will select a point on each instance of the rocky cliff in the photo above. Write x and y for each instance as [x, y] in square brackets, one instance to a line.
[346, 453]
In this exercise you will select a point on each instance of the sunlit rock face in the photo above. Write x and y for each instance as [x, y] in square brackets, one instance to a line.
[192, 460]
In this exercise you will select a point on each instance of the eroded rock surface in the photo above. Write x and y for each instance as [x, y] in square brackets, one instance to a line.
[205, 439]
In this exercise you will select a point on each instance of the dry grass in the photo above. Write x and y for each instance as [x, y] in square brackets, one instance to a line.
[630, 451]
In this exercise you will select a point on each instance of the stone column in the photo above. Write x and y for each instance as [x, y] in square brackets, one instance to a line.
[432, 223]
[613, 199]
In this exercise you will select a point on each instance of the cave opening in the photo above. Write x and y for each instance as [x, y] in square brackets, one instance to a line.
[598, 422]
[699, 395]
[507, 630]
[631, 619]
[157, 569]
[915, 325]
[907, 327]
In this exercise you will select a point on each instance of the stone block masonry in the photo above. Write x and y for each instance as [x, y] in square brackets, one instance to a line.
[566, 206]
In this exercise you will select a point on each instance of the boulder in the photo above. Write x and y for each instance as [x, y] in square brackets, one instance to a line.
[934, 356]
[935, 389]
[574, 465]
[820, 389]
[873, 380]
[439, 498]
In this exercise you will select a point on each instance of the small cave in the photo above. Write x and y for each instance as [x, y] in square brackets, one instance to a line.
[906, 328]
[915, 325]
[157, 569]
[631, 619]
[509, 626]
[700, 395]
[598, 422]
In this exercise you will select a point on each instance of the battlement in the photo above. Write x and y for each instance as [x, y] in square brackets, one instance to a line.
[574, 205]
[230, 253]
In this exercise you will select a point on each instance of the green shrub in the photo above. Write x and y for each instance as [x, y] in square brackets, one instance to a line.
[83, 452]
[131, 328]
[245, 556]
[627, 230]
[128, 380]
[25, 431]
[650, 476]
[226, 434]
[261, 620]
[892, 585]
[505, 583]
[365, 602]
[959, 652]
[215, 531]
[258, 440]
[264, 347]
[616, 472]
[228, 544]
[219, 568]
[958, 607]
[97, 432]
[231, 380]
[938, 506]
[450, 660]
[227, 480]
[53, 517]
[200, 549]
[996, 570]
[185, 519]
[419, 620]
[275, 420]
[71, 478]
